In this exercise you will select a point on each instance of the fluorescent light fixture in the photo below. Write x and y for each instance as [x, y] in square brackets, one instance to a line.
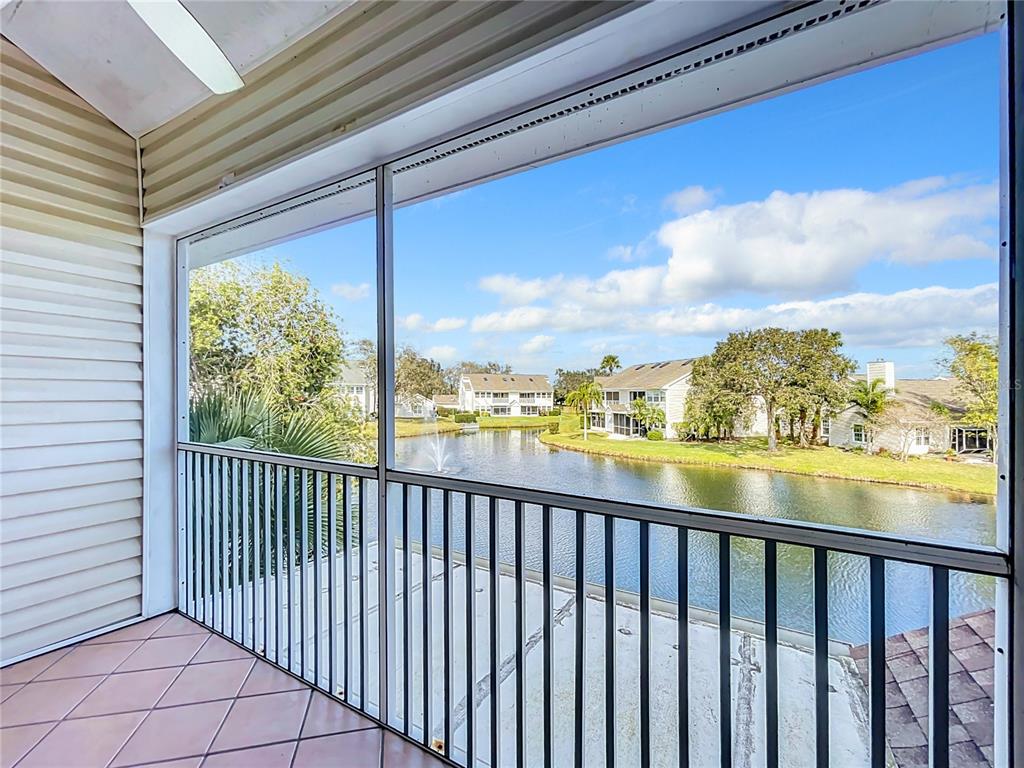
[186, 39]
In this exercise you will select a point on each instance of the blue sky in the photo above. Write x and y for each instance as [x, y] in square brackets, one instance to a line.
[867, 204]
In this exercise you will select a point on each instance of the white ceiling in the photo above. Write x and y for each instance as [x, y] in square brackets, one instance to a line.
[103, 51]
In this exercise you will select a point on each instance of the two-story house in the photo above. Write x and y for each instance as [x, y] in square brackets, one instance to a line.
[663, 385]
[506, 394]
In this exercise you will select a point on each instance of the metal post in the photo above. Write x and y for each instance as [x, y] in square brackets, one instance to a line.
[385, 436]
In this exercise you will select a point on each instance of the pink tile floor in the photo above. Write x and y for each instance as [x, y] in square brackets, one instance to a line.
[166, 692]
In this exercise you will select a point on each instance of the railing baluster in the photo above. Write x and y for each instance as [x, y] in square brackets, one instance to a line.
[226, 501]
[303, 567]
[579, 655]
[237, 498]
[332, 583]
[520, 524]
[346, 591]
[446, 528]
[406, 612]
[876, 663]
[263, 523]
[610, 720]
[191, 491]
[821, 719]
[427, 558]
[318, 587]
[938, 670]
[548, 602]
[645, 644]
[291, 569]
[771, 653]
[364, 613]
[244, 546]
[495, 617]
[683, 641]
[725, 648]
[279, 547]
[470, 631]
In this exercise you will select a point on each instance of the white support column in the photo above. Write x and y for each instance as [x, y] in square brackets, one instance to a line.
[385, 438]
[159, 460]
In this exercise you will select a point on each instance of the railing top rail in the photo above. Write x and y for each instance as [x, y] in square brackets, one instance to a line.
[282, 459]
[978, 559]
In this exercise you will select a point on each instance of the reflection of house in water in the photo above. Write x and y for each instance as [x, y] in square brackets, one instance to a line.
[971, 685]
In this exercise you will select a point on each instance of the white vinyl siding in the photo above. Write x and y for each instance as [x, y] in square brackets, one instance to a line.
[71, 377]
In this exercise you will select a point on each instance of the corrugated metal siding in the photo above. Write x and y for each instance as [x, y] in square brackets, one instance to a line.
[70, 364]
[372, 61]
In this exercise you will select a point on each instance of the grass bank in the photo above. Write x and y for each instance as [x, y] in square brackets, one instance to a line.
[923, 472]
[416, 427]
[566, 421]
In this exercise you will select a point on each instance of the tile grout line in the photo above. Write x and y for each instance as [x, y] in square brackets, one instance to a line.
[302, 726]
[49, 730]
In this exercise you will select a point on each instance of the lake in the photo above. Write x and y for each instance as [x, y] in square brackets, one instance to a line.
[518, 458]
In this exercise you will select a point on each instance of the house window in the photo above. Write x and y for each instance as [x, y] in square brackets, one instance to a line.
[637, 396]
[655, 396]
[922, 437]
[611, 397]
[501, 410]
[859, 434]
[826, 427]
[501, 395]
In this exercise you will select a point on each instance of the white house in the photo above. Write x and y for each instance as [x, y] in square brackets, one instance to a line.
[414, 406]
[354, 388]
[506, 394]
[663, 385]
[911, 422]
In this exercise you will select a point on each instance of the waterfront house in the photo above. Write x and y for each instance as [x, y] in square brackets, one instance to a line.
[414, 406]
[355, 388]
[506, 394]
[663, 385]
[923, 416]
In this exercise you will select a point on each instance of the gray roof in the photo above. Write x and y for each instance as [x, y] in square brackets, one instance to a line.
[971, 687]
[446, 400]
[920, 394]
[508, 382]
[351, 374]
[647, 375]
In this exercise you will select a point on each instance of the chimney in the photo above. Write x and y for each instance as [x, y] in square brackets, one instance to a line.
[884, 370]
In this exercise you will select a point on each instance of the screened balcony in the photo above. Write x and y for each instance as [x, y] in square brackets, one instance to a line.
[206, 570]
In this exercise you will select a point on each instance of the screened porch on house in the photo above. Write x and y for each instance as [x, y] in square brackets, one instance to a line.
[212, 555]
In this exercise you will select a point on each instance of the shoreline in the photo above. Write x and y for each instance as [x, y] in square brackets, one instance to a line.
[568, 443]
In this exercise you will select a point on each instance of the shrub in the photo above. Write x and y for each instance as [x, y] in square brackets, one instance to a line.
[553, 427]
[465, 418]
[555, 412]
[655, 434]
[682, 430]
[443, 411]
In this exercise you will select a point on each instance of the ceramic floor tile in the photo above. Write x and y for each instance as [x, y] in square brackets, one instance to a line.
[266, 678]
[142, 630]
[88, 660]
[16, 742]
[163, 652]
[6, 691]
[206, 682]
[24, 671]
[326, 716]
[171, 734]
[128, 692]
[272, 756]
[44, 701]
[83, 743]
[177, 624]
[188, 762]
[358, 749]
[399, 753]
[263, 720]
[219, 649]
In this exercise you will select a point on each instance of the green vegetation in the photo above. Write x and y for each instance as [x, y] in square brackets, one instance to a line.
[923, 472]
[414, 427]
[585, 398]
[655, 435]
[973, 360]
[465, 418]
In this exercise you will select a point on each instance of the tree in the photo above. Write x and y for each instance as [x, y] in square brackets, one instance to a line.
[587, 396]
[262, 328]
[712, 410]
[904, 421]
[609, 365]
[365, 358]
[870, 398]
[647, 416]
[973, 360]
[819, 380]
[416, 374]
[567, 380]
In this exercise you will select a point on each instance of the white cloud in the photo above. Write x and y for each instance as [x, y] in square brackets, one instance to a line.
[621, 253]
[416, 322]
[539, 343]
[351, 291]
[689, 199]
[915, 317]
[443, 354]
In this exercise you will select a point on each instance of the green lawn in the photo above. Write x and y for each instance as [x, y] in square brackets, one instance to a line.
[567, 421]
[924, 472]
[416, 427]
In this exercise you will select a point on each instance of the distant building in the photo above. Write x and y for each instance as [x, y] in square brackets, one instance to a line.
[354, 388]
[414, 407]
[446, 401]
[917, 403]
[663, 385]
[506, 394]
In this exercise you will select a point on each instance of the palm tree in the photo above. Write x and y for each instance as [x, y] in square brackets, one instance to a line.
[609, 365]
[871, 399]
[647, 416]
[583, 398]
